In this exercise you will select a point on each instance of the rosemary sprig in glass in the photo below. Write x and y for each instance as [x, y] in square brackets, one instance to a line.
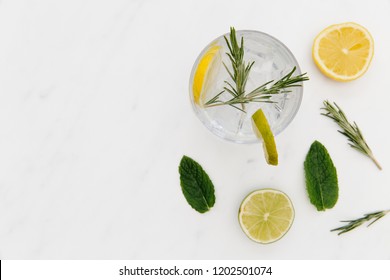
[240, 74]
[358, 222]
[350, 130]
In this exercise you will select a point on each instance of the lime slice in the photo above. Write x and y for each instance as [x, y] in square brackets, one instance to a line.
[263, 131]
[266, 215]
[205, 73]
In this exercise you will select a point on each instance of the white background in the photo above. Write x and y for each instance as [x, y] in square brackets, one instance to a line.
[95, 117]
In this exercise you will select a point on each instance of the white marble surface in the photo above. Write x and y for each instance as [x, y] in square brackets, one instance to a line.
[95, 116]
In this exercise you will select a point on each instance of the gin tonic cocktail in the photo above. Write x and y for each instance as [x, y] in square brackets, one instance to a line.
[213, 81]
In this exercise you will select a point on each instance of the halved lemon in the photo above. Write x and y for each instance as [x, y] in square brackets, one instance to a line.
[205, 73]
[263, 131]
[343, 51]
[266, 215]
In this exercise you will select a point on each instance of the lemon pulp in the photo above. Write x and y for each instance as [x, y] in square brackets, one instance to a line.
[343, 51]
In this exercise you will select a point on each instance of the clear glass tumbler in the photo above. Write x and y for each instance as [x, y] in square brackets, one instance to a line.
[273, 60]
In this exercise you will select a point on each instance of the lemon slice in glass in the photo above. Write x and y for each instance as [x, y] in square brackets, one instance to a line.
[343, 51]
[266, 215]
[205, 73]
[263, 131]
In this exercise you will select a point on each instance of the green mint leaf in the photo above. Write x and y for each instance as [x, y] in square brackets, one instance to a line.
[321, 177]
[196, 185]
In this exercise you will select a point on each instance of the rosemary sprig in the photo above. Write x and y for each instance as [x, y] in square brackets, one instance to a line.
[240, 68]
[240, 75]
[350, 130]
[358, 222]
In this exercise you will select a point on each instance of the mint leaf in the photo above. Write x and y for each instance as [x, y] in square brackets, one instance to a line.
[196, 185]
[321, 177]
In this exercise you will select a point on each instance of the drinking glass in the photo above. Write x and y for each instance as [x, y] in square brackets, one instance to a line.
[273, 60]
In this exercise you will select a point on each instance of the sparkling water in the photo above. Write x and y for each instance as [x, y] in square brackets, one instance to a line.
[272, 61]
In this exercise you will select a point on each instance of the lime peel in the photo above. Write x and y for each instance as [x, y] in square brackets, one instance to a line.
[263, 131]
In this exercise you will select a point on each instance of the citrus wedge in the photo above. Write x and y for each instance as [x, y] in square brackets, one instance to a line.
[205, 73]
[343, 51]
[266, 215]
[263, 131]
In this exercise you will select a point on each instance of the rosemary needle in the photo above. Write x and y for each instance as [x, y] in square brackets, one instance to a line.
[350, 130]
[375, 216]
